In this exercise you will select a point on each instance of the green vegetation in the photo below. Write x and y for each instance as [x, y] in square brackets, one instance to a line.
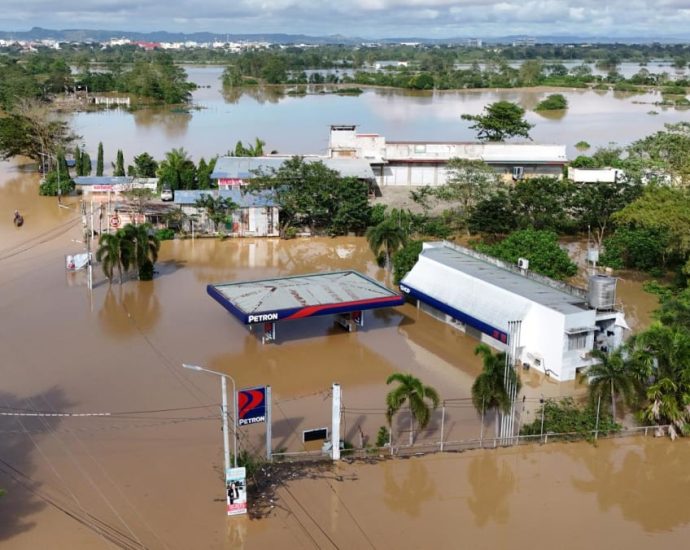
[564, 416]
[553, 102]
[385, 239]
[177, 171]
[412, 391]
[405, 258]
[219, 210]
[539, 247]
[582, 145]
[501, 120]
[310, 194]
[131, 247]
[382, 437]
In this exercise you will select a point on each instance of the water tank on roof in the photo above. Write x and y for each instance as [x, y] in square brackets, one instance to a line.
[601, 291]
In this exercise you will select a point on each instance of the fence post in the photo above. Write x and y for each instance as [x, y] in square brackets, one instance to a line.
[443, 424]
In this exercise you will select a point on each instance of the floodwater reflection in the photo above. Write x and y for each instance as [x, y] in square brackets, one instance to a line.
[129, 309]
[492, 481]
[640, 482]
[408, 494]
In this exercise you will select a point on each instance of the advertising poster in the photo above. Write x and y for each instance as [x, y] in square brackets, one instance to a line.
[236, 490]
[251, 406]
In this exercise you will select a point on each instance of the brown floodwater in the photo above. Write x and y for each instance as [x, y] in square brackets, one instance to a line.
[152, 473]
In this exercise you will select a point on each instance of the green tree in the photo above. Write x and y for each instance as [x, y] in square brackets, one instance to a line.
[386, 238]
[309, 193]
[489, 390]
[143, 246]
[405, 259]
[113, 252]
[530, 72]
[635, 248]
[412, 391]
[667, 151]
[542, 203]
[119, 166]
[552, 102]
[177, 170]
[493, 215]
[501, 120]
[218, 209]
[144, 166]
[467, 183]
[255, 150]
[99, 160]
[85, 164]
[611, 377]
[539, 247]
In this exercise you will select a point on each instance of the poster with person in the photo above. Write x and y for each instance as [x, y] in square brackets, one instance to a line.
[236, 490]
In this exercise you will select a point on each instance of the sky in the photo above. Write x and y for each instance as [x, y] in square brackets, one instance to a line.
[360, 18]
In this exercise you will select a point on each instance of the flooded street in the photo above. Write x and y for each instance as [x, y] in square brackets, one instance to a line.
[149, 473]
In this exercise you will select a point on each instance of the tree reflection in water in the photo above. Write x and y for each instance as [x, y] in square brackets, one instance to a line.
[492, 483]
[411, 493]
[129, 309]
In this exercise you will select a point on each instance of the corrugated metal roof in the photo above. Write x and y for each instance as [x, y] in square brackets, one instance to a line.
[261, 199]
[245, 167]
[433, 275]
[102, 180]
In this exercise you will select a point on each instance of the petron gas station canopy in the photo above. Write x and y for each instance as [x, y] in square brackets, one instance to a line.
[344, 293]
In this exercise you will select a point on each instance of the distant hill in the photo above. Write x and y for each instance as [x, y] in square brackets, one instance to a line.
[92, 35]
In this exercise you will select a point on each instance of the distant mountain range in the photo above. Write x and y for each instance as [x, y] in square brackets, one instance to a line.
[90, 35]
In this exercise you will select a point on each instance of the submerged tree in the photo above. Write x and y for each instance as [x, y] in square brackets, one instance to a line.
[611, 377]
[501, 120]
[412, 391]
[386, 237]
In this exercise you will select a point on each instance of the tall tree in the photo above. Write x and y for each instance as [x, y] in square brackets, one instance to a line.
[177, 170]
[412, 391]
[489, 390]
[85, 163]
[144, 166]
[612, 376]
[113, 252]
[144, 246]
[218, 210]
[468, 182]
[386, 237]
[501, 120]
[119, 166]
[99, 160]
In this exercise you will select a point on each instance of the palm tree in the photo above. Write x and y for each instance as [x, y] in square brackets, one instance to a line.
[177, 170]
[610, 377]
[217, 208]
[144, 248]
[489, 390]
[412, 391]
[114, 251]
[388, 237]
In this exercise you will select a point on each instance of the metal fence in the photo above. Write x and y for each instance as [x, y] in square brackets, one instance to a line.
[426, 447]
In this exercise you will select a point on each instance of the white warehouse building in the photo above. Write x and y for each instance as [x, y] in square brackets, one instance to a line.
[551, 326]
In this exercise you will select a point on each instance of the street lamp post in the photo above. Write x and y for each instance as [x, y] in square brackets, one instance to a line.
[224, 412]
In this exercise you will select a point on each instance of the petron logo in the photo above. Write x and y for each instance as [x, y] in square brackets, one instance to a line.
[263, 317]
[405, 289]
[251, 406]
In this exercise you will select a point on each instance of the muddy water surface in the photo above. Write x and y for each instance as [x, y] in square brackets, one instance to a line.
[151, 473]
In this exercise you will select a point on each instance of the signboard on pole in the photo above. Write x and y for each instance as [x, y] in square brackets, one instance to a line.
[115, 221]
[236, 490]
[251, 406]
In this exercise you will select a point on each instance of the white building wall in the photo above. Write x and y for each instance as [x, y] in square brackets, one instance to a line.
[541, 340]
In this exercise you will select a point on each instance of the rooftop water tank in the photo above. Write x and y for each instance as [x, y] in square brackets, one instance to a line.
[601, 291]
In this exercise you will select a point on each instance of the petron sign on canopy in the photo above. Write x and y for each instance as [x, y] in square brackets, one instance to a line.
[251, 406]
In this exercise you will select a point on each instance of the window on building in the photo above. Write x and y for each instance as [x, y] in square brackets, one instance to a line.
[577, 341]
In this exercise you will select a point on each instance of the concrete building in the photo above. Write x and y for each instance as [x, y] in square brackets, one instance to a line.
[417, 163]
[102, 187]
[234, 172]
[258, 214]
[551, 326]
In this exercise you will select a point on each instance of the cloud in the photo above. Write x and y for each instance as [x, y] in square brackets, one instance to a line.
[365, 18]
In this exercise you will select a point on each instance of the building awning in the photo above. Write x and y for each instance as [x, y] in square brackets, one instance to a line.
[579, 330]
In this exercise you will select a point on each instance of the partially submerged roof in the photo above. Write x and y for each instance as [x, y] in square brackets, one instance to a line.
[475, 302]
[302, 296]
[244, 168]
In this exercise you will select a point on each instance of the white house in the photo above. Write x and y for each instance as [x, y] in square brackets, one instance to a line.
[552, 326]
[416, 163]
[595, 175]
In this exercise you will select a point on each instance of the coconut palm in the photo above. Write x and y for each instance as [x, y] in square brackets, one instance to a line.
[110, 255]
[177, 170]
[489, 390]
[610, 377]
[388, 237]
[143, 248]
[415, 394]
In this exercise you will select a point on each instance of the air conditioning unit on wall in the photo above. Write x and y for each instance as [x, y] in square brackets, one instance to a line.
[523, 263]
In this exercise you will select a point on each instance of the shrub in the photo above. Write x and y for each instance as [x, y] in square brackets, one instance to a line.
[404, 259]
[553, 102]
[382, 437]
[49, 187]
[165, 234]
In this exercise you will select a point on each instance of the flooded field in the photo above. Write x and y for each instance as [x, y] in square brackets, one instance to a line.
[130, 478]
[300, 125]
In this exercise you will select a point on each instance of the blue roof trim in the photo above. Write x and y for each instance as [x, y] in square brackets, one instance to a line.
[261, 199]
[481, 326]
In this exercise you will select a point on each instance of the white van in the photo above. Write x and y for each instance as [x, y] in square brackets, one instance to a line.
[167, 194]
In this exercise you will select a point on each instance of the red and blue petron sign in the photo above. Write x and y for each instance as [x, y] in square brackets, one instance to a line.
[251, 406]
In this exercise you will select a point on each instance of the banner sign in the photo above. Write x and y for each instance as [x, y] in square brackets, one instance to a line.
[236, 490]
[251, 406]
